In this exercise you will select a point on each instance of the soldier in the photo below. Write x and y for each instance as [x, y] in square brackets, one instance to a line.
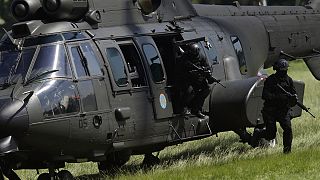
[195, 73]
[277, 104]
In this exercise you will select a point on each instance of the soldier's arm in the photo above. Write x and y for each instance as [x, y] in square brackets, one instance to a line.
[204, 62]
[292, 89]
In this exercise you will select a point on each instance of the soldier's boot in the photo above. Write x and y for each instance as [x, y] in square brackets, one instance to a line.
[186, 112]
[287, 149]
[200, 115]
[272, 143]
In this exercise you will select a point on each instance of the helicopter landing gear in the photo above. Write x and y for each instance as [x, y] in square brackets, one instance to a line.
[7, 172]
[1, 174]
[44, 176]
[52, 175]
[150, 160]
[113, 162]
[65, 175]
[107, 168]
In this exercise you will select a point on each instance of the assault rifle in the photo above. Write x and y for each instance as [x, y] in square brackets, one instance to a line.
[298, 103]
[207, 74]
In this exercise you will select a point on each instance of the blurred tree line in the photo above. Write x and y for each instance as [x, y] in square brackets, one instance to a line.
[5, 15]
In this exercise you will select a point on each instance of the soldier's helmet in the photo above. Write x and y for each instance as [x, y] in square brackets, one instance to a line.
[194, 49]
[281, 65]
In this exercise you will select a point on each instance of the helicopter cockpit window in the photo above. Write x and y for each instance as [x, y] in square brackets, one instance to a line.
[42, 40]
[240, 54]
[14, 63]
[117, 66]
[154, 62]
[53, 61]
[73, 36]
[210, 51]
[92, 60]
[134, 64]
[88, 98]
[58, 97]
[80, 62]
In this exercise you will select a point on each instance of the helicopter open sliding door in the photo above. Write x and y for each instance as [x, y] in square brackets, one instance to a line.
[161, 98]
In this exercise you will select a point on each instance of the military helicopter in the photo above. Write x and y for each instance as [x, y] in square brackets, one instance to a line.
[94, 80]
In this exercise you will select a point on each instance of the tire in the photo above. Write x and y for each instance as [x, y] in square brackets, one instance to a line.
[114, 162]
[44, 176]
[65, 175]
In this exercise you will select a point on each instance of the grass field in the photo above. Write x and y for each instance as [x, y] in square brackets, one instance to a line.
[224, 157]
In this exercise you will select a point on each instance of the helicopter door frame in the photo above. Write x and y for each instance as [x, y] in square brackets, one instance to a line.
[160, 92]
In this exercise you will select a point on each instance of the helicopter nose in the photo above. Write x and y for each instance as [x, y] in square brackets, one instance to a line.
[14, 119]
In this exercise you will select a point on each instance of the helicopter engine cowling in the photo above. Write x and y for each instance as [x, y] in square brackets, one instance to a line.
[66, 9]
[24, 10]
[148, 6]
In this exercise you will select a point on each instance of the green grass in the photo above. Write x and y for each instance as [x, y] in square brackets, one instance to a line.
[224, 157]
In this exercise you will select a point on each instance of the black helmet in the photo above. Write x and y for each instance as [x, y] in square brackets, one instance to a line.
[194, 49]
[281, 65]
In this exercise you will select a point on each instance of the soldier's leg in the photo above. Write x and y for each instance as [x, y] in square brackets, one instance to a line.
[201, 93]
[271, 127]
[285, 124]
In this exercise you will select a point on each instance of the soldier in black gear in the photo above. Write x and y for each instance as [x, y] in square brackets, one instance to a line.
[277, 104]
[194, 72]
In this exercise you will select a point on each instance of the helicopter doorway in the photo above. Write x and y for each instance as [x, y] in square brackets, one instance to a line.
[158, 81]
[169, 53]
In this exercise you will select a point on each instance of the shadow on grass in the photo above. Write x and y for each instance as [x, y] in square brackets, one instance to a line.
[213, 147]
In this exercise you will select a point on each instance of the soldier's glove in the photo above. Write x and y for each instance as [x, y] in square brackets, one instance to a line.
[292, 100]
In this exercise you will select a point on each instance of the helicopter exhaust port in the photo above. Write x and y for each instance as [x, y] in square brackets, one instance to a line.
[66, 9]
[237, 106]
[24, 10]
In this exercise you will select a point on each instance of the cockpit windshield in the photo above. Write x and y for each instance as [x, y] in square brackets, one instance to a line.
[14, 64]
[52, 59]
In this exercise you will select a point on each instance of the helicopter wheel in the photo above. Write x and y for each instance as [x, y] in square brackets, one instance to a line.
[107, 168]
[1, 175]
[7, 172]
[65, 175]
[61, 175]
[44, 176]
[150, 160]
[113, 162]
